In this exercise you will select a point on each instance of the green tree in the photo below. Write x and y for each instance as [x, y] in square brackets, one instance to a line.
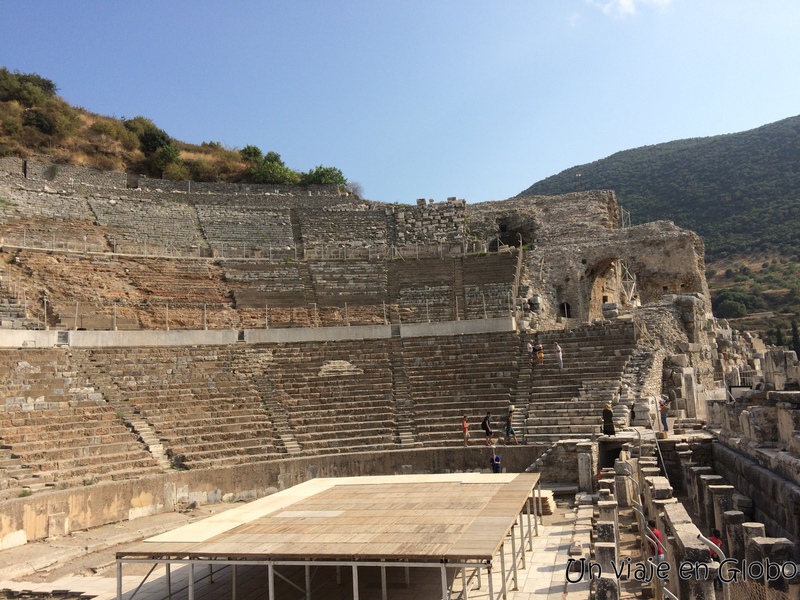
[323, 175]
[730, 309]
[29, 89]
[165, 156]
[151, 138]
[274, 157]
[795, 339]
[272, 172]
[780, 340]
[252, 154]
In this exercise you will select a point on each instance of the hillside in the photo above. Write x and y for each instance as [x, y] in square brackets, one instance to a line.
[740, 192]
[36, 122]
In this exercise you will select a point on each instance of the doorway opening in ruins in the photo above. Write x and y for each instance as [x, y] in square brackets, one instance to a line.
[608, 452]
[514, 234]
[565, 310]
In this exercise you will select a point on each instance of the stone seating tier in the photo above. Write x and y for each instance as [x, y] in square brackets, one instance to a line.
[211, 406]
[153, 292]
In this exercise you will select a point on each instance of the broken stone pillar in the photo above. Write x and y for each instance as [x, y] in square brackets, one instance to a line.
[706, 500]
[586, 477]
[722, 497]
[772, 553]
[622, 490]
[751, 530]
[691, 551]
[605, 554]
[734, 534]
[694, 475]
[607, 587]
[608, 512]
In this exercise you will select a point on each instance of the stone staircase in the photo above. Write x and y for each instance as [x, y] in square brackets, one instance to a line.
[453, 376]
[569, 402]
[404, 405]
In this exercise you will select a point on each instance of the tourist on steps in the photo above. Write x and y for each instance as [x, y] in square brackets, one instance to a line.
[510, 433]
[486, 425]
[465, 429]
[608, 420]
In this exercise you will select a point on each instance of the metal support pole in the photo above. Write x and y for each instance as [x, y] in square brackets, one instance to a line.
[308, 581]
[233, 582]
[191, 581]
[210, 573]
[384, 591]
[530, 527]
[445, 591]
[355, 582]
[514, 558]
[271, 580]
[521, 538]
[464, 591]
[502, 570]
[119, 580]
[491, 583]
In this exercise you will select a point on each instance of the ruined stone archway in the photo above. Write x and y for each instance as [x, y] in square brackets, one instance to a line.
[602, 279]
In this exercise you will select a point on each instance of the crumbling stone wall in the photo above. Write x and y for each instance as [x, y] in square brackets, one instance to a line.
[578, 256]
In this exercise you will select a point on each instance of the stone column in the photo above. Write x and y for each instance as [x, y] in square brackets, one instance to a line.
[684, 454]
[586, 476]
[604, 554]
[706, 500]
[689, 550]
[607, 587]
[694, 473]
[772, 553]
[751, 530]
[608, 512]
[722, 497]
[622, 490]
[734, 534]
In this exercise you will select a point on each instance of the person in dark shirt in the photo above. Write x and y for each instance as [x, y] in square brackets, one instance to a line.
[495, 462]
[486, 425]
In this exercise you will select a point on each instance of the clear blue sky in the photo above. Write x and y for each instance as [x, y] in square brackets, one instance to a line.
[430, 98]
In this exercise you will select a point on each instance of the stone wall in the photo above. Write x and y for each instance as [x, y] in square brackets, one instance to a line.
[57, 514]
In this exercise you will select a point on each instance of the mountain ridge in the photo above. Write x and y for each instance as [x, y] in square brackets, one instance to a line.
[739, 191]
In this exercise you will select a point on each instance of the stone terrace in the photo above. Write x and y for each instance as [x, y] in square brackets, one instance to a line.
[143, 289]
[240, 230]
[452, 376]
[203, 409]
[209, 406]
[56, 430]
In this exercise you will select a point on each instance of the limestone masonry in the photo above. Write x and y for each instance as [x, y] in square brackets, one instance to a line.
[172, 342]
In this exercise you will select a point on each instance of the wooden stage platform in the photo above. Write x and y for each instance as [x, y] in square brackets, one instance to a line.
[448, 522]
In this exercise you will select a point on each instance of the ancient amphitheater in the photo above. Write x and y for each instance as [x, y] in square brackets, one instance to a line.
[169, 346]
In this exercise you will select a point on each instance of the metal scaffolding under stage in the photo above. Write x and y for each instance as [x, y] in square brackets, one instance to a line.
[454, 523]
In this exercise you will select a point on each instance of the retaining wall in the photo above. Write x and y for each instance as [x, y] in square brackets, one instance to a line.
[55, 514]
